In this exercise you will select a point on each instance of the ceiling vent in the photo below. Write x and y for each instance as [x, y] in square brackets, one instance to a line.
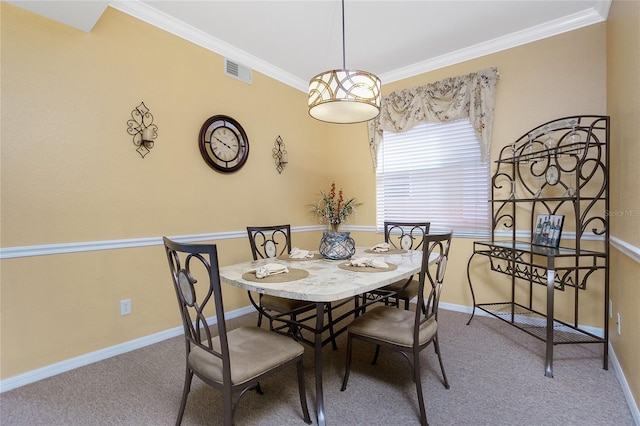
[236, 70]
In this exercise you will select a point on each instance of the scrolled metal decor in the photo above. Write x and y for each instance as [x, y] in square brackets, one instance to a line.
[344, 95]
[141, 127]
[280, 154]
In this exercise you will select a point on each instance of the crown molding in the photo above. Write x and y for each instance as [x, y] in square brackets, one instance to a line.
[519, 38]
[161, 20]
[148, 14]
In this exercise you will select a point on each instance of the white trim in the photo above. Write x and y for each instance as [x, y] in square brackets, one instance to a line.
[596, 331]
[51, 249]
[82, 360]
[593, 330]
[631, 402]
[624, 247]
[148, 14]
[518, 38]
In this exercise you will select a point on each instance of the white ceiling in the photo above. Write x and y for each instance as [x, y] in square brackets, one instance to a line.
[292, 41]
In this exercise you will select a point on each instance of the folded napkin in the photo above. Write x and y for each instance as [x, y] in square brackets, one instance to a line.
[382, 247]
[297, 253]
[270, 269]
[368, 262]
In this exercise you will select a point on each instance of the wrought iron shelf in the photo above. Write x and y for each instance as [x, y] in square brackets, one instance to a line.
[529, 262]
[558, 168]
[535, 323]
[545, 199]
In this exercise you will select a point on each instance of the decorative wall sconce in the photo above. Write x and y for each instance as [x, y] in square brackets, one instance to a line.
[280, 154]
[141, 127]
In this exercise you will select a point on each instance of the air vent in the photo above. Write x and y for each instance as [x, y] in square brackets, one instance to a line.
[236, 70]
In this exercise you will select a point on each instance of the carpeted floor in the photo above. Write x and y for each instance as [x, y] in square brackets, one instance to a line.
[496, 374]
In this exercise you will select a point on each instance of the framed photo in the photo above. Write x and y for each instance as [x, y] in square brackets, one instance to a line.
[547, 230]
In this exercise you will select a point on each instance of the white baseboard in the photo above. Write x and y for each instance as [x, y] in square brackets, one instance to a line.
[625, 386]
[594, 330]
[82, 360]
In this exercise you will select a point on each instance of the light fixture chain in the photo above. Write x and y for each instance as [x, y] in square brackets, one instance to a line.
[344, 62]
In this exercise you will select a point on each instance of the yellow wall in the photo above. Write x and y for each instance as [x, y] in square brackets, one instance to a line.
[552, 78]
[70, 172]
[623, 104]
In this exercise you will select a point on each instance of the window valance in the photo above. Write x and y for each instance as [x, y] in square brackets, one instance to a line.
[453, 98]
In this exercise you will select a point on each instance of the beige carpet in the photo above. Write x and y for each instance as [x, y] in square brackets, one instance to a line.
[496, 374]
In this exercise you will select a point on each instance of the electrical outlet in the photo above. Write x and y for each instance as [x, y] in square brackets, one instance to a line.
[125, 307]
[610, 308]
[618, 323]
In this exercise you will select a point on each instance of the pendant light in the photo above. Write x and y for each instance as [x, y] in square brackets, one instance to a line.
[344, 96]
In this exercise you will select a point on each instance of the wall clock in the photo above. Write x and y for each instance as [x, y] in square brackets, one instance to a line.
[223, 143]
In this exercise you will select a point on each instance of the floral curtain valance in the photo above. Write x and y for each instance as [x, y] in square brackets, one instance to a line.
[453, 98]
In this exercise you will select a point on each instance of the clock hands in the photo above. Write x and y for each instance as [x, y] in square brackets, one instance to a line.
[223, 143]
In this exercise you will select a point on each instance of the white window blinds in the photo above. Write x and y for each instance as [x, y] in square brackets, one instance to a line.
[434, 172]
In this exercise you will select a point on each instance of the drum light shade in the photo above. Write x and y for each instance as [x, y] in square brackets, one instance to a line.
[344, 96]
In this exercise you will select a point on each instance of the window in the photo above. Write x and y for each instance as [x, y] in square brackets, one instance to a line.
[434, 172]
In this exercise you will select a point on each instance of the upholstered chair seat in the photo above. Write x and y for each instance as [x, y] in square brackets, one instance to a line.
[404, 293]
[282, 304]
[398, 326]
[252, 350]
[404, 330]
[231, 361]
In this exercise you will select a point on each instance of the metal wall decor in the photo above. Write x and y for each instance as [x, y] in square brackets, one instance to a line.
[141, 127]
[280, 154]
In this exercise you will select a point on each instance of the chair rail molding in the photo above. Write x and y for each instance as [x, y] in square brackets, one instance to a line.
[624, 247]
[80, 247]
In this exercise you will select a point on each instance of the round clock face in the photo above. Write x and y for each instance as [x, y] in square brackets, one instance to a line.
[223, 143]
[552, 175]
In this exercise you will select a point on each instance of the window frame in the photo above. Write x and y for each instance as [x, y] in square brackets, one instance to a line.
[400, 153]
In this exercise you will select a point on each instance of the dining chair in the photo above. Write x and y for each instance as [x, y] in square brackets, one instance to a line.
[231, 361]
[407, 331]
[407, 236]
[270, 242]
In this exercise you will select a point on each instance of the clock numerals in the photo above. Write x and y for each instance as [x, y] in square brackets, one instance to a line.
[225, 144]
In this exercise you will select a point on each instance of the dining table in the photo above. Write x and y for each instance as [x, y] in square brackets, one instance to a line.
[322, 281]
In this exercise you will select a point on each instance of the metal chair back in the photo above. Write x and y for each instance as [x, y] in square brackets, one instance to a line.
[269, 241]
[405, 235]
[431, 277]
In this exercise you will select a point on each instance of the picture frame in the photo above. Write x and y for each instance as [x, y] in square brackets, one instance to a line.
[547, 230]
